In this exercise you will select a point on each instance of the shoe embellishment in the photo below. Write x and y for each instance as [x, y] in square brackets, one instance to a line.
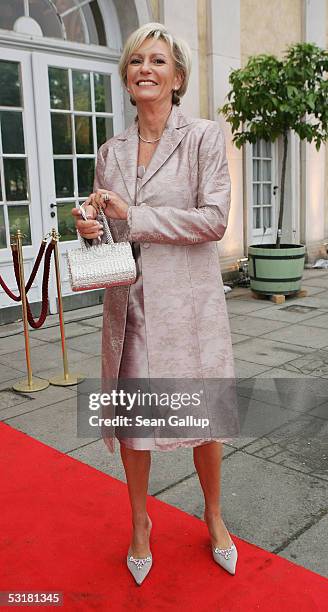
[140, 562]
[225, 552]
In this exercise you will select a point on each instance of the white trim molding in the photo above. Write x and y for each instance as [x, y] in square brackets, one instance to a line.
[312, 214]
[224, 54]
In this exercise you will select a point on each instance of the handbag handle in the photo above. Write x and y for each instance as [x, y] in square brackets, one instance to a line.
[83, 241]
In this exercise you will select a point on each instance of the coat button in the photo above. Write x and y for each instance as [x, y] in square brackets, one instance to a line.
[145, 245]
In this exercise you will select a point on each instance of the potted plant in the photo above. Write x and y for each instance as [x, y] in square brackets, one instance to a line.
[268, 99]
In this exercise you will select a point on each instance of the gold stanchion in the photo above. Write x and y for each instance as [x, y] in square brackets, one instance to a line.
[67, 379]
[29, 384]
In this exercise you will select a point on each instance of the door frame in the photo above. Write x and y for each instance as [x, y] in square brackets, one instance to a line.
[257, 236]
[40, 63]
[32, 165]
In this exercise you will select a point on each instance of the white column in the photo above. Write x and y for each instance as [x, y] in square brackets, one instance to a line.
[312, 161]
[143, 9]
[223, 56]
[180, 18]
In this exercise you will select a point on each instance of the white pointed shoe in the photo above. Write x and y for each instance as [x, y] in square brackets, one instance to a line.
[226, 557]
[139, 567]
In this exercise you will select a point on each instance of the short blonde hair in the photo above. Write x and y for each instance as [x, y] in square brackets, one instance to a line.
[179, 48]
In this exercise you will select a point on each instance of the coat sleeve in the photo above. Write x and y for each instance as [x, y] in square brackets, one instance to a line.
[100, 167]
[205, 222]
[99, 183]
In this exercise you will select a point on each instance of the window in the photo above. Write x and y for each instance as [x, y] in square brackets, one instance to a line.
[81, 120]
[74, 20]
[9, 12]
[14, 184]
[262, 185]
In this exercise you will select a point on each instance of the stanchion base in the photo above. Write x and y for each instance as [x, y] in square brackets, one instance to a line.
[37, 384]
[64, 381]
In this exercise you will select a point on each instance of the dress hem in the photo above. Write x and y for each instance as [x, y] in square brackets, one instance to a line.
[186, 444]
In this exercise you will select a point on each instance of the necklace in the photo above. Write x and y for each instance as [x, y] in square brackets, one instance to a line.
[156, 139]
[149, 141]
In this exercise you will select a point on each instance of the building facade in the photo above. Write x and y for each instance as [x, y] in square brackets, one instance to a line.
[61, 98]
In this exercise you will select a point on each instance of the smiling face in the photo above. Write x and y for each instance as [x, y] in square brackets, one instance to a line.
[151, 73]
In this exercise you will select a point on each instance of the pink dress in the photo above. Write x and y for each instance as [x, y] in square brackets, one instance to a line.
[134, 361]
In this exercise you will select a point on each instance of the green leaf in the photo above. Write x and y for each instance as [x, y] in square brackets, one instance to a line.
[311, 101]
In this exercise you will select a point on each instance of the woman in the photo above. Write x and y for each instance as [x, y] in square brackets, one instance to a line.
[164, 184]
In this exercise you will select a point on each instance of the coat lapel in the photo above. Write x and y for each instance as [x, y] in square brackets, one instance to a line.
[126, 153]
[126, 150]
[171, 138]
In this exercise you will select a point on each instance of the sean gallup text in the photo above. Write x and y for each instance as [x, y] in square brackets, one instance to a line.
[139, 421]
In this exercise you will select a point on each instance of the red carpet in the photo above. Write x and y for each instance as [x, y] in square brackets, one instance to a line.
[65, 527]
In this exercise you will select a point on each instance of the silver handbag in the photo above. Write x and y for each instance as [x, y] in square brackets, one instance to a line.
[101, 265]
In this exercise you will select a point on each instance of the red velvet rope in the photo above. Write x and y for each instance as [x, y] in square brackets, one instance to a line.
[45, 284]
[17, 298]
[45, 281]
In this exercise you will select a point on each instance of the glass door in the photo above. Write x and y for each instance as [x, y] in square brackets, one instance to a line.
[79, 107]
[20, 206]
[263, 196]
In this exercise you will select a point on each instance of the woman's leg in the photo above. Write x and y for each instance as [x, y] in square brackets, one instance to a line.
[137, 466]
[207, 460]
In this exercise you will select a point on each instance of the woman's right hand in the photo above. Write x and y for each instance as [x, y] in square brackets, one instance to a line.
[88, 229]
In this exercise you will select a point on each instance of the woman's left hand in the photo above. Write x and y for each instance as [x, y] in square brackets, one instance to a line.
[114, 207]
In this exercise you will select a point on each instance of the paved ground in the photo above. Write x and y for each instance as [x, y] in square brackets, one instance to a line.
[274, 478]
